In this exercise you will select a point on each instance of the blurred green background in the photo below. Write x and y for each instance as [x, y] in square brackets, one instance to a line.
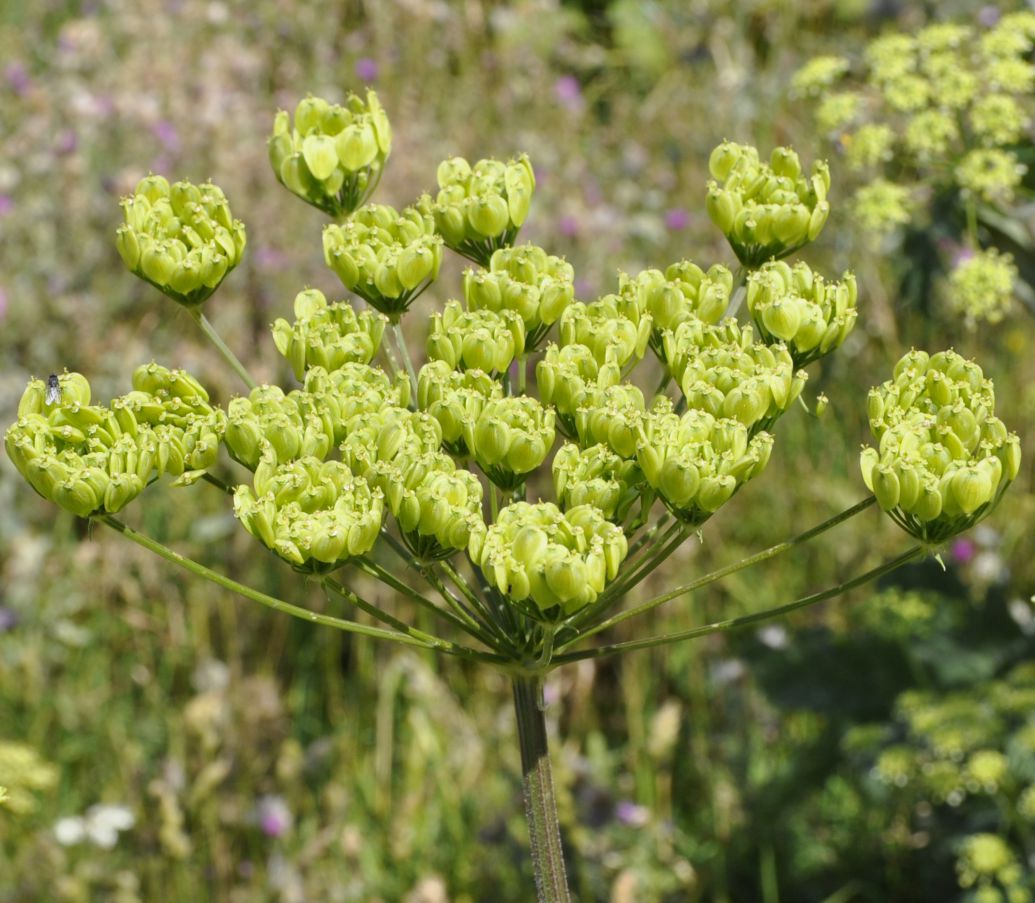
[162, 740]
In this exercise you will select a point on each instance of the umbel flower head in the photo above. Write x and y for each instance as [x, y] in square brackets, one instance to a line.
[455, 399]
[510, 438]
[723, 371]
[332, 155]
[525, 279]
[597, 476]
[795, 306]
[943, 458]
[567, 376]
[479, 209]
[181, 238]
[484, 339]
[314, 514]
[91, 459]
[695, 462]
[327, 335]
[684, 292]
[766, 211]
[436, 505]
[549, 562]
[311, 422]
[613, 328]
[385, 256]
[980, 287]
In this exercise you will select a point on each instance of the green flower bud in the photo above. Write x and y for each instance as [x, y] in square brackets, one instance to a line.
[454, 399]
[597, 476]
[612, 328]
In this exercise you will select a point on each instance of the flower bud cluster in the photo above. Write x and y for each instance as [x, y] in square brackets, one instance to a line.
[385, 256]
[510, 438]
[613, 328]
[454, 399]
[611, 417]
[793, 305]
[695, 462]
[332, 155]
[436, 505]
[568, 376]
[91, 459]
[721, 370]
[683, 292]
[379, 443]
[551, 563]
[597, 476]
[314, 514]
[310, 422]
[943, 458]
[981, 287]
[327, 335]
[525, 279]
[769, 210]
[181, 238]
[483, 339]
[480, 208]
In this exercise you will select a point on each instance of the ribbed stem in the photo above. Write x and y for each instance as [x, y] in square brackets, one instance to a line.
[544, 833]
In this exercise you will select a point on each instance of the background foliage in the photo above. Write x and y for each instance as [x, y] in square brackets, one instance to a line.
[881, 748]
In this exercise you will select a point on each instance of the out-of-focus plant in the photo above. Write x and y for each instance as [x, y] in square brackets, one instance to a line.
[455, 453]
[935, 127]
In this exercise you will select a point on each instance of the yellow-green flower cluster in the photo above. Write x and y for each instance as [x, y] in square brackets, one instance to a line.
[484, 339]
[986, 860]
[455, 399]
[990, 174]
[91, 459]
[613, 328]
[436, 505]
[611, 416]
[766, 211]
[510, 438]
[26, 773]
[181, 238]
[567, 376]
[379, 443]
[981, 286]
[943, 459]
[310, 422]
[327, 335]
[723, 371]
[314, 514]
[683, 292]
[525, 279]
[794, 305]
[331, 155]
[952, 100]
[695, 462]
[881, 206]
[550, 562]
[597, 476]
[387, 257]
[479, 209]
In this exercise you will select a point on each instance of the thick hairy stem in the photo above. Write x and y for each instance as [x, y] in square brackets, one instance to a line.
[544, 833]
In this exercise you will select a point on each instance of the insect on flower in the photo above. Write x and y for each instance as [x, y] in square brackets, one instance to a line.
[53, 389]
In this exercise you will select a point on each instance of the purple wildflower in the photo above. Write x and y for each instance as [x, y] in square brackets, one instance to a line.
[963, 550]
[569, 93]
[17, 77]
[677, 219]
[366, 69]
[274, 816]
